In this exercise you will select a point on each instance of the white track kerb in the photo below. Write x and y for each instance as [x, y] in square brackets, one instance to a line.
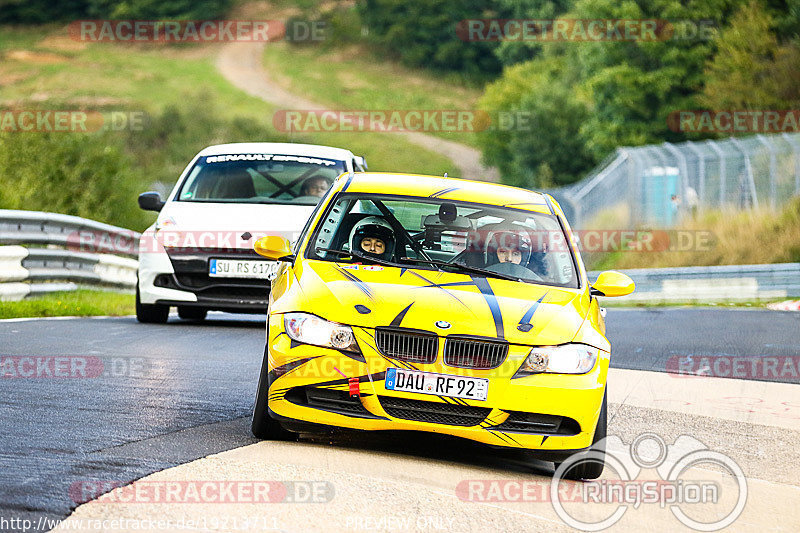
[381, 490]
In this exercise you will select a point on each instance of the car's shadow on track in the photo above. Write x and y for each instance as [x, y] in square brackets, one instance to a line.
[444, 448]
[223, 320]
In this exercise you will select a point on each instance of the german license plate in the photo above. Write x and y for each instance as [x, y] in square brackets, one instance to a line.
[242, 268]
[400, 379]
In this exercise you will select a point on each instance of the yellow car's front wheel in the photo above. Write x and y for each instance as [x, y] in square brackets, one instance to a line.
[591, 466]
[264, 426]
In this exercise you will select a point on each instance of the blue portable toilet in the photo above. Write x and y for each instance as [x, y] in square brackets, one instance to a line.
[659, 185]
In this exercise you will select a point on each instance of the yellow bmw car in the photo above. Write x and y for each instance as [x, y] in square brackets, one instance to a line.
[435, 304]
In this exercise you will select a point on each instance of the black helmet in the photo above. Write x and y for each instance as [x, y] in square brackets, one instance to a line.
[376, 228]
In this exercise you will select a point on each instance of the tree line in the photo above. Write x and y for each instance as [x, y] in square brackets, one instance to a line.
[582, 98]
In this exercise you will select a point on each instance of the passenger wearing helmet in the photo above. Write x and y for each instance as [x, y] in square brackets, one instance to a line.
[508, 252]
[373, 237]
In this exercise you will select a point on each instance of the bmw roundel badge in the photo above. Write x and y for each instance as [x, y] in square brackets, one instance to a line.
[441, 324]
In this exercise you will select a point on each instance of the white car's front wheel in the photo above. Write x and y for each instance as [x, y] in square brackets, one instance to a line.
[150, 313]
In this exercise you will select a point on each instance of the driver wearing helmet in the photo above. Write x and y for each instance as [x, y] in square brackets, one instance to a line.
[373, 237]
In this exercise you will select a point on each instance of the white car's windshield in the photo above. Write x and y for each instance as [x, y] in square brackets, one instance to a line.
[442, 234]
[260, 178]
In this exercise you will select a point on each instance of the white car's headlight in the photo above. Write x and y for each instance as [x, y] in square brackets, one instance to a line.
[310, 329]
[564, 359]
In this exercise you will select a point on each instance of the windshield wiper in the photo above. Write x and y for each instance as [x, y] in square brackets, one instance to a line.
[341, 253]
[462, 266]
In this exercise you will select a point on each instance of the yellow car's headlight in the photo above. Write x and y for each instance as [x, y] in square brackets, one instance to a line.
[563, 359]
[311, 329]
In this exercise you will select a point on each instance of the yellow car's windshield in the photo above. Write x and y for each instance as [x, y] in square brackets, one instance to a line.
[442, 234]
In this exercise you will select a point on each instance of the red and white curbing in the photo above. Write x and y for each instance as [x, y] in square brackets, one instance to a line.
[788, 305]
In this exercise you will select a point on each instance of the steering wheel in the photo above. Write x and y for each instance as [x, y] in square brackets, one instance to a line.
[513, 269]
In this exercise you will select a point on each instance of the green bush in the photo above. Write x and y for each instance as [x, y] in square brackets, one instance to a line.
[422, 33]
[99, 175]
[87, 175]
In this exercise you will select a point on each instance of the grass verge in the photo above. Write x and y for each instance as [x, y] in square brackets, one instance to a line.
[718, 238]
[349, 77]
[83, 302]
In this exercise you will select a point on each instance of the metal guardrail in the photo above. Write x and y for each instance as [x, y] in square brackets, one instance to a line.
[72, 252]
[713, 284]
[65, 264]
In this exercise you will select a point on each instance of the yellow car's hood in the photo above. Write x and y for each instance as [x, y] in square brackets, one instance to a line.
[521, 313]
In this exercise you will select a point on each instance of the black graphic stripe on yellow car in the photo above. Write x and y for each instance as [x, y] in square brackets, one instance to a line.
[278, 336]
[399, 318]
[432, 284]
[443, 192]
[525, 322]
[491, 300]
[347, 183]
[503, 436]
[358, 283]
[524, 203]
[486, 290]
[357, 356]
[291, 366]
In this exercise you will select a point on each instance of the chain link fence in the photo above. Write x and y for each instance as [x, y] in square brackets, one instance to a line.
[658, 185]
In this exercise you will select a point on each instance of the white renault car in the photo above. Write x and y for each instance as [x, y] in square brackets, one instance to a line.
[198, 256]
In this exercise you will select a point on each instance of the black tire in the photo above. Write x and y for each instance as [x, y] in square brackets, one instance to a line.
[192, 313]
[592, 468]
[150, 313]
[264, 426]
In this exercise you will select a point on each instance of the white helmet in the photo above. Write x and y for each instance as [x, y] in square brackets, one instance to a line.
[375, 227]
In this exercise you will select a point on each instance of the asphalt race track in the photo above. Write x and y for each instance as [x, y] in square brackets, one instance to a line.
[171, 394]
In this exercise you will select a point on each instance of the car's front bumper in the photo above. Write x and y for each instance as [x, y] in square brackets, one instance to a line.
[310, 384]
[182, 279]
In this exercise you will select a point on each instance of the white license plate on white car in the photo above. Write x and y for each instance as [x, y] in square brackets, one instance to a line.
[400, 379]
[242, 268]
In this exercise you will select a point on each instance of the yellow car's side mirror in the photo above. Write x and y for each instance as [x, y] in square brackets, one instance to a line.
[274, 247]
[611, 283]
